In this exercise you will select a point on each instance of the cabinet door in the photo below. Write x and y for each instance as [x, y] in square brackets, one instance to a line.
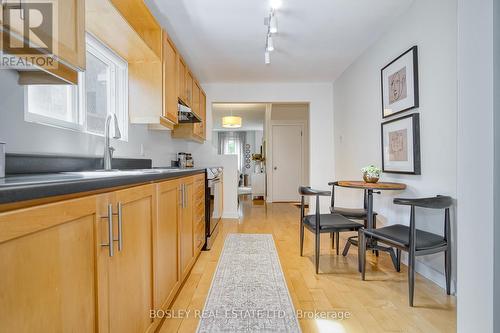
[199, 128]
[167, 243]
[189, 88]
[181, 81]
[195, 100]
[130, 271]
[203, 112]
[71, 38]
[170, 77]
[186, 226]
[47, 260]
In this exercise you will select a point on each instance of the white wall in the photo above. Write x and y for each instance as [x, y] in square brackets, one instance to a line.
[24, 137]
[432, 25]
[477, 252]
[320, 99]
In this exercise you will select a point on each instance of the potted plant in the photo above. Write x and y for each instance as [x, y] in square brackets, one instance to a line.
[371, 174]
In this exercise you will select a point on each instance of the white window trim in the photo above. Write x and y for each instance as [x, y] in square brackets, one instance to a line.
[49, 121]
[119, 69]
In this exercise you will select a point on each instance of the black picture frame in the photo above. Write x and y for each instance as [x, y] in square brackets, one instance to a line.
[415, 144]
[414, 50]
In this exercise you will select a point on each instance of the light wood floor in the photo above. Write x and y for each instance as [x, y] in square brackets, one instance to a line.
[379, 304]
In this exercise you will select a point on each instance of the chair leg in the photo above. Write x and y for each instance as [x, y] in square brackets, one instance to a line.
[301, 238]
[411, 276]
[332, 235]
[362, 253]
[447, 269]
[346, 248]
[337, 234]
[398, 260]
[317, 252]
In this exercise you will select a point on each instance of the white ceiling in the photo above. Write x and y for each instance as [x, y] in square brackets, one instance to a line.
[223, 40]
[252, 114]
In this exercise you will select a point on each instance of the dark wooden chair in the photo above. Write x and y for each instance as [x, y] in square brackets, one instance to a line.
[321, 223]
[352, 214]
[412, 240]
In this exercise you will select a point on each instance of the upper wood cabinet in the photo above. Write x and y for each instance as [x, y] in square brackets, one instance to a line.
[199, 128]
[68, 44]
[195, 100]
[181, 82]
[189, 88]
[170, 77]
[47, 260]
[194, 131]
[127, 27]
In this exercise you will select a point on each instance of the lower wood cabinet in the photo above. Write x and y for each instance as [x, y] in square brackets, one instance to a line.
[100, 263]
[168, 277]
[47, 265]
[126, 272]
[186, 226]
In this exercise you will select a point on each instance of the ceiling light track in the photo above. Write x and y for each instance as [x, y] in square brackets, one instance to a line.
[272, 28]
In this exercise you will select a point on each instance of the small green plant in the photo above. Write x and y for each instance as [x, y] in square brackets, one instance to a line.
[372, 171]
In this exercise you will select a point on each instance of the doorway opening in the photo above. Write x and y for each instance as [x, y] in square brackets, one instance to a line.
[271, 142]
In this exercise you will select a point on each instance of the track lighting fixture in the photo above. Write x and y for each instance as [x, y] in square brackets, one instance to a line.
[272, 28]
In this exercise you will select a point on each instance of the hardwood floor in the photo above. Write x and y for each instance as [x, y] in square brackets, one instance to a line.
[379, 304]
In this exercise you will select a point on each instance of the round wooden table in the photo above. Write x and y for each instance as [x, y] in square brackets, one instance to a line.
[370, 189]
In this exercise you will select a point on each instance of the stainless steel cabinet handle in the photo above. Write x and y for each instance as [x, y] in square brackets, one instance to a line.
[110, 230]
[120, 227]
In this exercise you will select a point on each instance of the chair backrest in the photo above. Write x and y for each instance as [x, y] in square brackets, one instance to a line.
[332, 200]
[308, 191]
[305, 191]
[437, 202]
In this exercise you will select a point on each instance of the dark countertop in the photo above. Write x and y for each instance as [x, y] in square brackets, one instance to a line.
[22, 187]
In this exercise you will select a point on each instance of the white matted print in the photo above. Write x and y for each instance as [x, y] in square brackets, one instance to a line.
[400, 84]
[401, 145]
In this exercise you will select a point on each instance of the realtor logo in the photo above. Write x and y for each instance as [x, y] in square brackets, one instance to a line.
[29, 33]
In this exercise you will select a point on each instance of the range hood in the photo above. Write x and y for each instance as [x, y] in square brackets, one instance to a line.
[186, 115]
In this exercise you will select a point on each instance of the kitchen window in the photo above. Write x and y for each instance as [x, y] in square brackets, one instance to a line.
[102, 90]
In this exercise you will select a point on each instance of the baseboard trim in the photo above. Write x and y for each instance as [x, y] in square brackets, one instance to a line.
[230, 215]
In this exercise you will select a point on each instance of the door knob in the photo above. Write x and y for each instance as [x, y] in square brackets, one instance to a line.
[275, 168]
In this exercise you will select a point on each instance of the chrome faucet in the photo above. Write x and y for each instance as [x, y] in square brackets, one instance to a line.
[108, 150]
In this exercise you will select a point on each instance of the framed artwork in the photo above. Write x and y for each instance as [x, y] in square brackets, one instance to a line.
[401, 145]
[400, 84]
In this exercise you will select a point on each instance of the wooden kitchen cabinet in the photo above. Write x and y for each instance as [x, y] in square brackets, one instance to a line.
[199, 128]
[47, 260]
[194, 131]
[189, 88]
[126, 279]
[181, 80]
[69, 46]
[59, 273]
[167, 234]
[170, 76]
[195, 100]
[186, 226]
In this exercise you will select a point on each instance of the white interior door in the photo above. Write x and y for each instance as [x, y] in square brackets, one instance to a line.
[287, 156]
